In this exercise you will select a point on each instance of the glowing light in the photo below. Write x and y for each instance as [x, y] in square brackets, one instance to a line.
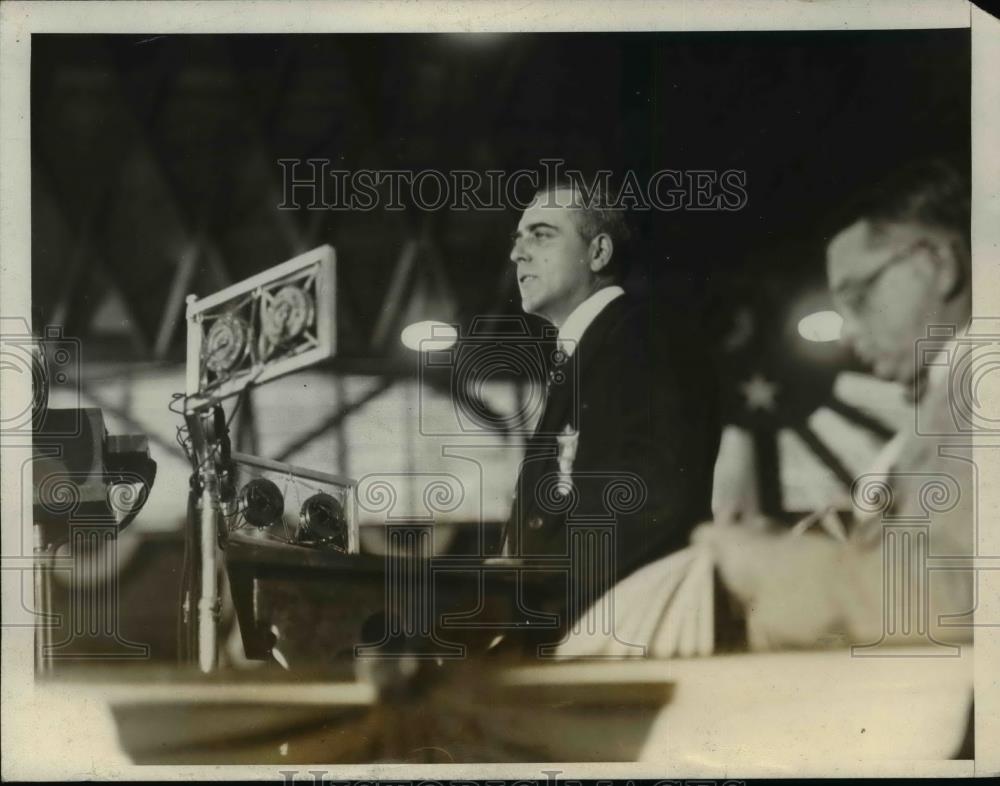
[429, 336]
[821, 326]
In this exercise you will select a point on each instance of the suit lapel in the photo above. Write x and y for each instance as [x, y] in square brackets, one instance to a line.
[558, 411]
[564, 397]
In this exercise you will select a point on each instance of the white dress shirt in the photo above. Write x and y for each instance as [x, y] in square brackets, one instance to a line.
[573, 328]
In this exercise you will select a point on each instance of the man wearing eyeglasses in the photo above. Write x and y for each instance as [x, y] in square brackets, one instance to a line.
[899, 265]
[891, 277]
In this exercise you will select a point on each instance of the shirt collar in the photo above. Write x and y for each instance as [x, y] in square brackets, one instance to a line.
[576, 323]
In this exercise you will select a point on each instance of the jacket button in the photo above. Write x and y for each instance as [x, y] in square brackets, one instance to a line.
[535, 522]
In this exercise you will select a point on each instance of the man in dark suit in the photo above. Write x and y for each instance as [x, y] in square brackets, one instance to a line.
[619, 468]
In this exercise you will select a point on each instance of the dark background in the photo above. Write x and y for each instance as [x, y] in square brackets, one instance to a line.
[142, 145]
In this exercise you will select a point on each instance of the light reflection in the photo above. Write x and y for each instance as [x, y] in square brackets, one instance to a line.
[821, 326]
[429, 336]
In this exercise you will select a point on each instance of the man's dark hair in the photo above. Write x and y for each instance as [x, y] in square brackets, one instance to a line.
[932, 193]
[596, 214]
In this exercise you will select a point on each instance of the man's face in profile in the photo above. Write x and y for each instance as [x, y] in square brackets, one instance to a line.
[552, 258]
[884, 285]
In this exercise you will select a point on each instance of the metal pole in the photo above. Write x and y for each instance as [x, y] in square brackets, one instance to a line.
[208, 599]
[43, 603]
[203, 615]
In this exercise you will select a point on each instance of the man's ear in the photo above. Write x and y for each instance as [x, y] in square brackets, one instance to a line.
[601, 250]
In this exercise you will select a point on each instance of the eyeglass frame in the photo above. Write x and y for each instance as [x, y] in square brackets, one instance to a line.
[860, 289]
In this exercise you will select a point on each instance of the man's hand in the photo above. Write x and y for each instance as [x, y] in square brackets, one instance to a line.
[788, 585]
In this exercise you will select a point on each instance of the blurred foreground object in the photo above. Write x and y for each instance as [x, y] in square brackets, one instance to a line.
[773, 712]
[87, 487]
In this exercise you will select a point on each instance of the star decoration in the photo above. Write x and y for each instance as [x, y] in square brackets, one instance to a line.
[760, 393]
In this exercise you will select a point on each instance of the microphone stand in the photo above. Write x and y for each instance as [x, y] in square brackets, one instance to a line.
[212, 449]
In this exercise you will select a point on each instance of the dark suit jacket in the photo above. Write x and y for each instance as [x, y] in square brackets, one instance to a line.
[641, 396]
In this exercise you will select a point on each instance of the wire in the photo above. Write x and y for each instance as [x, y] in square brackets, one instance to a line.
[174, 397]
[183, 435]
